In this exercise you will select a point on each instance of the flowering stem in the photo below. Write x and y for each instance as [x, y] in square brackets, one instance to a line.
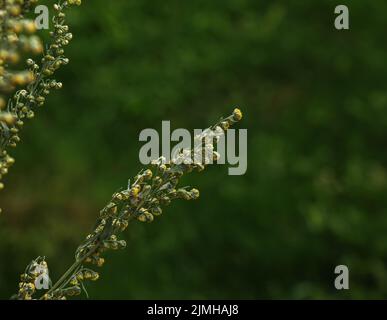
[134, 205]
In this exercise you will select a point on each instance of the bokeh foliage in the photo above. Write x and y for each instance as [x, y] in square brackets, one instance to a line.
[315, 105]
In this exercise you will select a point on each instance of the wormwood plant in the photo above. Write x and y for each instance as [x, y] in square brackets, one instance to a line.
[17, 39]
[145, 195]
[141, 200]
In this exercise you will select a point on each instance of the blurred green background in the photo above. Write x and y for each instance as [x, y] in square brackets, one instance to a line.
[314, 195]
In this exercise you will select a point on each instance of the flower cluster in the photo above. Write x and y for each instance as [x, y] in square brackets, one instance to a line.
[203, 152]
[17, 37]
[27, 286]
[142, 200]
[38, 75]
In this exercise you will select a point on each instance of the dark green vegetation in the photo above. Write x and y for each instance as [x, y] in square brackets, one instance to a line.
[314, 196]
